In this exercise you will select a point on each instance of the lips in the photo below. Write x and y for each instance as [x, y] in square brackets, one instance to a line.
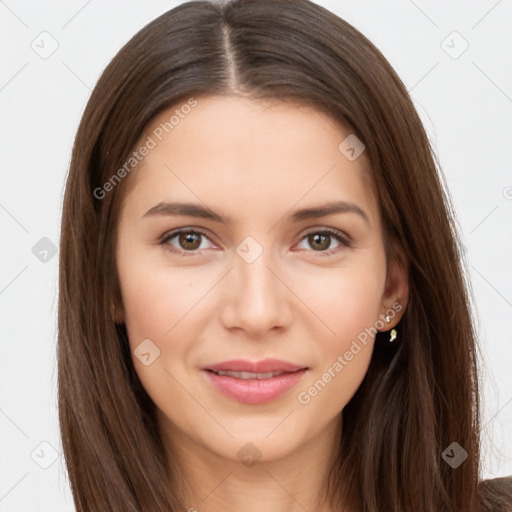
[264, 366]
[254, 382]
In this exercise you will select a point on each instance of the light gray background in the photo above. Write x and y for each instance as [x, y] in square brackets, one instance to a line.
[465, 103]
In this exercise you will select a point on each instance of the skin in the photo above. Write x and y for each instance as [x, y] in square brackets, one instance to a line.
[255, 163]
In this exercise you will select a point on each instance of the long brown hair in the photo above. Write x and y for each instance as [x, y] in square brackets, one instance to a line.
[419, 395]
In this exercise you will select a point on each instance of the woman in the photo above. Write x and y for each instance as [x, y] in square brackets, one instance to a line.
[261, 301]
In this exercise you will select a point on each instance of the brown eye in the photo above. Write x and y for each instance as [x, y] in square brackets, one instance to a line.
[189, 241]
[185, 241]
[319, 241]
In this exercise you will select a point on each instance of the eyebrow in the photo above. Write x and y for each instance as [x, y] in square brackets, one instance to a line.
[203, 212]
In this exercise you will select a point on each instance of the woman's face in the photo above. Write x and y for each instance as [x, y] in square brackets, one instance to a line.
[260, 271]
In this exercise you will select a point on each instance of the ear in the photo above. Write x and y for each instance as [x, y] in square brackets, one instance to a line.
[396, 291]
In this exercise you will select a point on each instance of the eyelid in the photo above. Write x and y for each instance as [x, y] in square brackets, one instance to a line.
[331, 231]
[173, 232]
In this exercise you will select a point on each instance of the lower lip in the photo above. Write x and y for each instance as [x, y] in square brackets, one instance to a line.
[255, 391]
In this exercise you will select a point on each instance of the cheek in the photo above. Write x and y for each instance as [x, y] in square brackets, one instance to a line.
[345, 300]
[343, 357]
[163, 305]
[348, 301]
[156, 302]
[350, 310]
[149, 307]
[155, 297]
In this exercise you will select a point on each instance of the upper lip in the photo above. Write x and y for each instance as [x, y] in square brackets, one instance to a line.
[263, 366]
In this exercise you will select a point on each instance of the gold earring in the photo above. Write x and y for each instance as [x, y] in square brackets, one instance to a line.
[392, 334]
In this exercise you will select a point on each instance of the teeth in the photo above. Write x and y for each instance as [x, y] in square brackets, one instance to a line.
[249, 375]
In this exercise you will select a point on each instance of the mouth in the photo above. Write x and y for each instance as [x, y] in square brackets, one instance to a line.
[254, 387]
[261, 367]
[248, 375]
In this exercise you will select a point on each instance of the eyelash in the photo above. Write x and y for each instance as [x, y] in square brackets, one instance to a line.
[338, 235]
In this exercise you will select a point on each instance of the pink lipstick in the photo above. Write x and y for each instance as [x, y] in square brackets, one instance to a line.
[255, 382]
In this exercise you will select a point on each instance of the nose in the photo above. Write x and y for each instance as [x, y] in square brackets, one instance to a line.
[257, 298]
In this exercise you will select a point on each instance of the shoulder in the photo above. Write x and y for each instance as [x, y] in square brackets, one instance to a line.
[496, 494]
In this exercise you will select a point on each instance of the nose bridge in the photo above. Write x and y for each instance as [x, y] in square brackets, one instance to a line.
[257, 298]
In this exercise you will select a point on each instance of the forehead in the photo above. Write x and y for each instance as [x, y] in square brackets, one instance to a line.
[272, 151]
